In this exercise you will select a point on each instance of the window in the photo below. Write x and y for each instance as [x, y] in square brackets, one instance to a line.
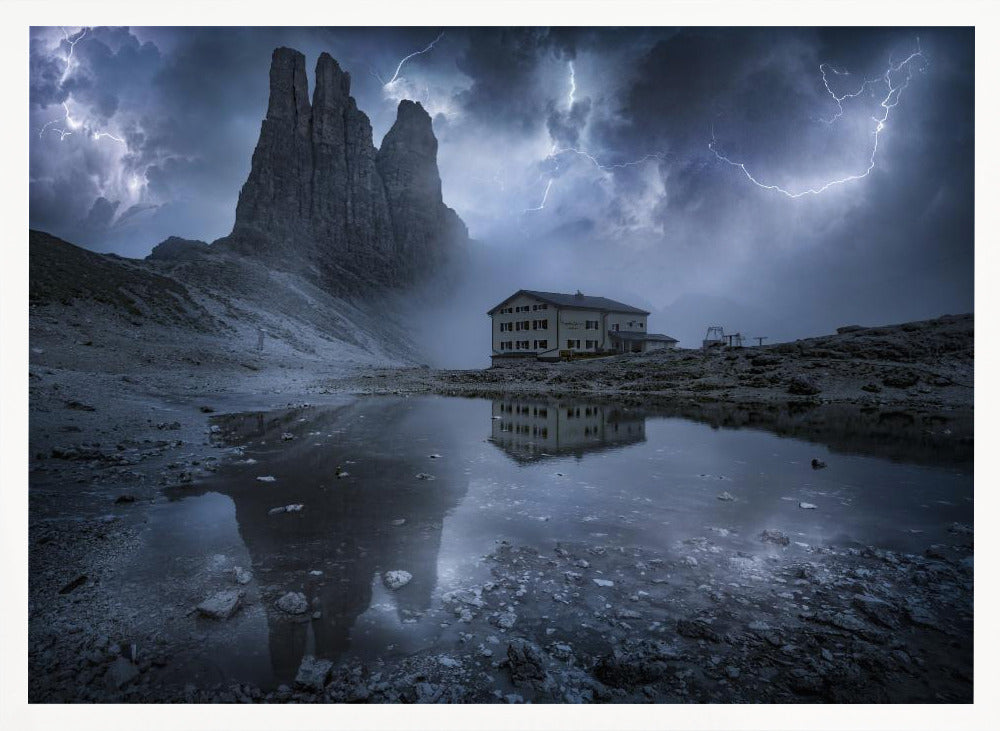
[543, 344]
[592, 325]
[572, 343]
[615, 327]
[543, 324]
[534, 307]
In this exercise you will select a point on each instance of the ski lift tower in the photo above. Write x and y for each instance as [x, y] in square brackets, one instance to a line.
[714, 337]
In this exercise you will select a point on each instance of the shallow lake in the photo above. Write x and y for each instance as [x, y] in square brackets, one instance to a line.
[429, 485]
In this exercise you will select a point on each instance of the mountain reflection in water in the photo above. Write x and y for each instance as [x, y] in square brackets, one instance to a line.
[428, 485]
[346, 528]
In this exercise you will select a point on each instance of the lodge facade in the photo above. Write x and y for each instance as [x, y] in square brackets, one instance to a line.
[552, 325]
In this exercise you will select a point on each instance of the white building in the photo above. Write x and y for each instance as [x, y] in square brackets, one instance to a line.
[550, 326]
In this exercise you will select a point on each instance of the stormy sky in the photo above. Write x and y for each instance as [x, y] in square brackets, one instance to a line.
[691, 171]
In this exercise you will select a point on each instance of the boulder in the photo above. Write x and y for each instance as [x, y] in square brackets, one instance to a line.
[525, 664]
[294, 602]
[397, 579]
[221, 605]
[313, 674]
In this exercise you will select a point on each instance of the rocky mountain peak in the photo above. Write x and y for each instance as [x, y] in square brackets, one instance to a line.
[332, 83]
[288, 101]
[320, 198]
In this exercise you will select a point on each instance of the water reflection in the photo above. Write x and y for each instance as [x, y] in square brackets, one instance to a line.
[532, 430]
[557, 470]
[378, 517]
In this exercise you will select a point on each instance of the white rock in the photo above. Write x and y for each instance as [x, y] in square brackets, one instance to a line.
[604, 582]
[807, 506]
[726, 497]
[265, 478]
[242, 575]
[396, 579]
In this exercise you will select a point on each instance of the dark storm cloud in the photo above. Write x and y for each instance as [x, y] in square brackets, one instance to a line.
[597, 175]
[503, 65]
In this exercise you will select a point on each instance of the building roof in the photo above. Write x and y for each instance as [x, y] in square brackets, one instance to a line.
[578, 301]
[632, 335]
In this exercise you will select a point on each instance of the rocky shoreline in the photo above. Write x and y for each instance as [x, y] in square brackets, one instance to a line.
[802, 624]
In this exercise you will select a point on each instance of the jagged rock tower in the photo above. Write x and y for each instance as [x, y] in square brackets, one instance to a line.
[321, 198]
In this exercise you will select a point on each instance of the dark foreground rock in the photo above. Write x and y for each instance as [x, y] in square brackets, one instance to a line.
[789, 623]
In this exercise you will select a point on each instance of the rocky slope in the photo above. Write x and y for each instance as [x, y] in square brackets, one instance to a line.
[322, 199]
[197, 314]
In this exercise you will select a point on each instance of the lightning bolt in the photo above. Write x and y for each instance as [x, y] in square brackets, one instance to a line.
[572, 86]
[545, 197]
[555, 152]
[399, 66]
[894, 90]
[73, 124]
[72, 48]
[600, 166]
[839, 100]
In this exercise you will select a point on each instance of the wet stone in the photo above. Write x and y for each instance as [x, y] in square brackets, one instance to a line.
[313, 674]
[525, 664]
[242, 575]
[221, 605]
[638, 663]
[774, 536]
[294, 602]
[397, 579]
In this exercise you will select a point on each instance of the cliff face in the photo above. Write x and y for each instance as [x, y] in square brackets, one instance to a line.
[320, 197]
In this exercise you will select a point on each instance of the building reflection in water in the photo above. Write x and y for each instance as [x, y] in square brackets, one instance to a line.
[532, 430]
[349, 528]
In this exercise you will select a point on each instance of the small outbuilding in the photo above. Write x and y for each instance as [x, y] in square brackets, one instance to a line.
[641, 342]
